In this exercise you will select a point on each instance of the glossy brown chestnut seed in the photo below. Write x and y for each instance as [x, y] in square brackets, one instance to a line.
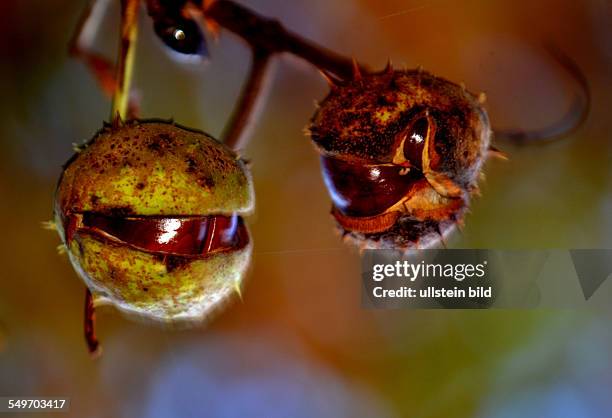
[400, 150]
[360, 189]
[151, 216]
[414, 142]
[180, 236]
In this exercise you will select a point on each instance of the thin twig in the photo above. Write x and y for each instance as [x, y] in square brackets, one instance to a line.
[572, 120]
[236, 131]
[90, 330]
[125, 61]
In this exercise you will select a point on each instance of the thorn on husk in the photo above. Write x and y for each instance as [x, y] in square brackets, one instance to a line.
[78, 147]
[389, 67]
[475, 191]
[117, 121]
[61, 249]
[49, 225]
[442, 241]
[332, 81]
[238, 290]
[356, 71]
[460, 226]
[496, 153]
[482, 98]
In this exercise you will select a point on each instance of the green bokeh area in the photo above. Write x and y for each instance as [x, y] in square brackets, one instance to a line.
[299, 344]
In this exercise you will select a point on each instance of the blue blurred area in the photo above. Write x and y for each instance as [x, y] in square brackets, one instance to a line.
[231, 377]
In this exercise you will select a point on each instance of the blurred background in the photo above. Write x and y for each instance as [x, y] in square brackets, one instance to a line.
[300, 345]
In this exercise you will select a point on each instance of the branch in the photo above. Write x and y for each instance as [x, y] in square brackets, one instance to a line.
[236, 130]
[125, 61]
[572, 120]
[266, 37]
[89, 325]
[269, 35]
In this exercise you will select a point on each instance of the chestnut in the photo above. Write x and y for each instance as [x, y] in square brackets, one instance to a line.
[151, 216]
[401, 154]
